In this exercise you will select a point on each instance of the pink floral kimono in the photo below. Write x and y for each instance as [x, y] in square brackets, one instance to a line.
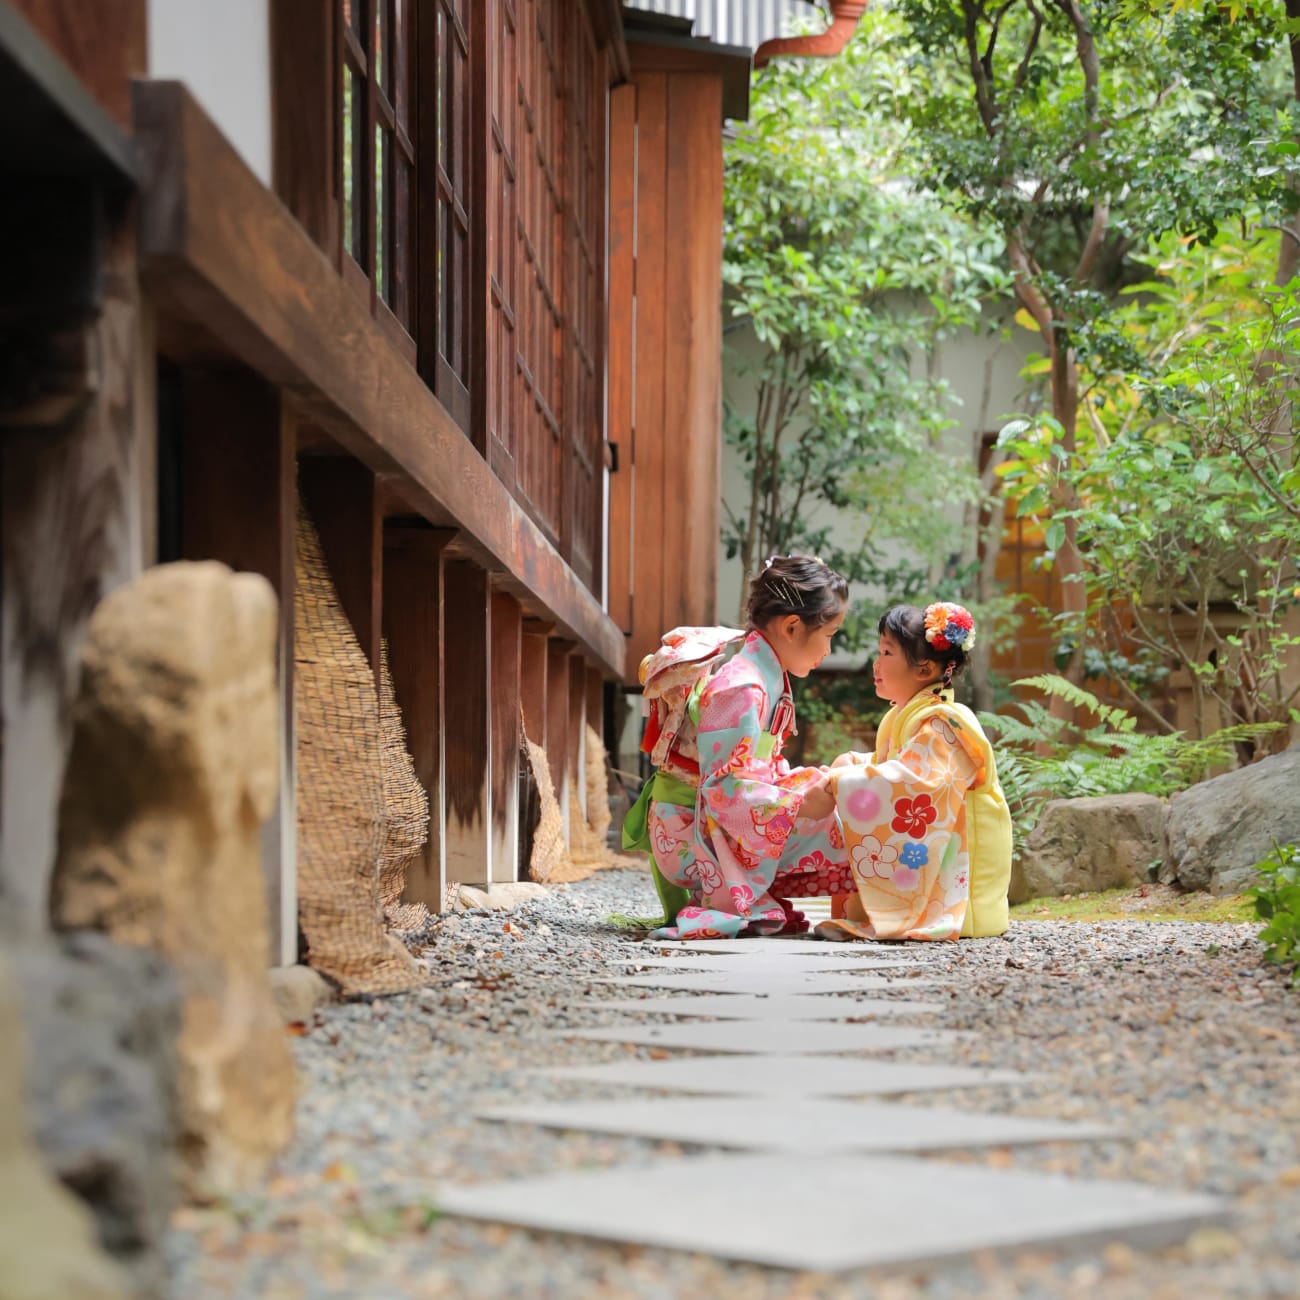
[739, 850]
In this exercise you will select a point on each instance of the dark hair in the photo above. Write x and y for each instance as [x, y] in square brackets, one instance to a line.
[796, 584]
[906, 624]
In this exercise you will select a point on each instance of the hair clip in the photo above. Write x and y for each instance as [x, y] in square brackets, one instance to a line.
[948, 624]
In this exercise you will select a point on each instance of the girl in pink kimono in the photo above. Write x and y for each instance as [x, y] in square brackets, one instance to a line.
[747, 845]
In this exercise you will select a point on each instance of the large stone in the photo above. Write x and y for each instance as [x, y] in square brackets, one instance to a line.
[47, 1245]
[1220, 829]
[172, 771]
[1084, 845]
[102, 1022]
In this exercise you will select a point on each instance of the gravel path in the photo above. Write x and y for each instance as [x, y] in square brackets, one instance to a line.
[1177, 1033]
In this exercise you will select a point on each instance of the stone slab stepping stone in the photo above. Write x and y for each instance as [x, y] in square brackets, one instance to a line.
[799, 1077]
[836, 1212]
[741, 1006]
[778, 1037]
[755, 962]
[821, 1126]
[793, 947]
[761, 982]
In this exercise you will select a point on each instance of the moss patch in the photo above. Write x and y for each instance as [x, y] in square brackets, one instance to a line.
[1145, 903]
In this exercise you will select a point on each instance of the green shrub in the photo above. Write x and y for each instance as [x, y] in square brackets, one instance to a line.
[1277, 903]
[1041, 757]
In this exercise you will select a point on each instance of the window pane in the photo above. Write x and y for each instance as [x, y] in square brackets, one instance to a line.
[353, 169]
[401, 21]
[402, 239]
[380, 70]
[381, 213]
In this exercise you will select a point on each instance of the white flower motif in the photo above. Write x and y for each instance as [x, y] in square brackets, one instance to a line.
[872, 858]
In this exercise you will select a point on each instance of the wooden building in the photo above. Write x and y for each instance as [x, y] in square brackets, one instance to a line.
[446, 272]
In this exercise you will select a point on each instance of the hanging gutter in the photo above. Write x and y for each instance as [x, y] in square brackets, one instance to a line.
[845, 15]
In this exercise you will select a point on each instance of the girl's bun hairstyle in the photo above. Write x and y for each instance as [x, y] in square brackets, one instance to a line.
[919, 637]
[796, 584]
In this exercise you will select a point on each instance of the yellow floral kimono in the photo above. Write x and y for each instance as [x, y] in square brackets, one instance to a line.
[926, 828]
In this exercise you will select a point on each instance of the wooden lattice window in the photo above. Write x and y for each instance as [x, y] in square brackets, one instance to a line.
[546, 197]
[376, 165]
[449, 41]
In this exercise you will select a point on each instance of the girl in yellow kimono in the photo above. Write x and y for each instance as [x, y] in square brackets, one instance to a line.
[925, 823]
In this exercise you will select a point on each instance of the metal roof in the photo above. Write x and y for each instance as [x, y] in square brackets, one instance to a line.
[736, 22]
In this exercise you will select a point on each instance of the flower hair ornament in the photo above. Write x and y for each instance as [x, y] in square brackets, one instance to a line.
[948, 625]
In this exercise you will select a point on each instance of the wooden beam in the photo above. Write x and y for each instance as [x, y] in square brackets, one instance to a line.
[103, 44]
[340, 495]
[412, 624]
[223, 254]
[465, 676]
[504, 697]
[238, 504]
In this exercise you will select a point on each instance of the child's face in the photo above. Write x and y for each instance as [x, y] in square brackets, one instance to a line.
[896, 679]
[801, 648]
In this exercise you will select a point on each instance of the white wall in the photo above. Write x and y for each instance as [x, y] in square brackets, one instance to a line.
[966, 362]
[221, 49]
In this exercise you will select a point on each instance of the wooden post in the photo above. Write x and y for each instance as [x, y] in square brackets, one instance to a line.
[238, 504]
[578, 729]
[78, 507]
[465, 676]
[342, 498]
[557, 722]
[532, 679]
[412, 622]
[507, 626]
[596, 703]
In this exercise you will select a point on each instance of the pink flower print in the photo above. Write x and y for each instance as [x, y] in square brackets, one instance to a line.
[705, 873]
[773, 822]
[863, 804]
[834, 835]
[872, 858]
[912, 816]
[815, 861]
[905, 877]
[742, 899]
[726, 706]
[667, 833]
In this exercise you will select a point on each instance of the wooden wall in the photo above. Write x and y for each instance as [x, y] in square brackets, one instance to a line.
[665, 345]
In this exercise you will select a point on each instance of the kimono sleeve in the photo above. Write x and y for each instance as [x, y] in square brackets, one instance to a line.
[752, 801]
[905, 831]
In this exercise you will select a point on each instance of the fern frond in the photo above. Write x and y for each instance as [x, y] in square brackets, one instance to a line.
[1053, 684]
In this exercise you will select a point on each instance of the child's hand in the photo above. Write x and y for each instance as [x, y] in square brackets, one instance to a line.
[818, 801]
[844, 760]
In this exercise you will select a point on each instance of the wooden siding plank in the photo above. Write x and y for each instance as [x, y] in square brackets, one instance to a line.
[533, 688]
[222, 254]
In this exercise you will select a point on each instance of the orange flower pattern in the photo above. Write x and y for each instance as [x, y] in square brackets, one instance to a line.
[905, 825]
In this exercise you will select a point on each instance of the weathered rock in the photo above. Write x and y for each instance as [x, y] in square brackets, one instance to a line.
[172, 770]
[47, 1246]
[498, 898]
[1082, 845]
[298, 991]
[1220, 829]
[102, 1022]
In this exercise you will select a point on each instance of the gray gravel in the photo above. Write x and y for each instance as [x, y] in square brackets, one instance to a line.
[1178, 1033]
